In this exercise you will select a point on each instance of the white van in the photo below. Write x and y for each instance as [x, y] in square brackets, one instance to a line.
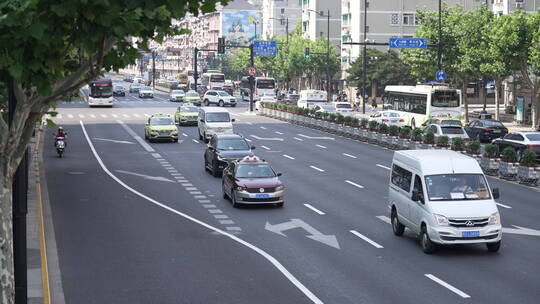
[311, 98]
[444, 197]
[214, 120]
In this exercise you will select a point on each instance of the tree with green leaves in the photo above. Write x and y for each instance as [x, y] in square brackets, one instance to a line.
[49, 50]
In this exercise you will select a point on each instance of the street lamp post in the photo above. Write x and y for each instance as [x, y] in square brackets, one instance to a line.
[439, 47]
[364, 66]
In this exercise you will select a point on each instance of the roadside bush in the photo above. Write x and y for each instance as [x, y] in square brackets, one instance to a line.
[340, 118]
[429, 138]
[492, 151]
[473, 147]
[348, 120]
[393, 130]
[416, 135]
[383, 128]
[442, 141]
[326, 115]
[509, 155]
[373, 125]
[319, 115]
[332, 116]
[529, 158]
[355, 122]
[457, 144]
[363, 123]
[405, 132]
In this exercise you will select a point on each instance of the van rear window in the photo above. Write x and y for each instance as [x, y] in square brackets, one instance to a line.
[401, 178]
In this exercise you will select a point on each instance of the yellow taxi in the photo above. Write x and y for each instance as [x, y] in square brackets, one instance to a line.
[160, 127]
[186, 114]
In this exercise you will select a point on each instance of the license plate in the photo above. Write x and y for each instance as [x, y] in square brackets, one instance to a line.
[262, 195]
[470, 233]
[393, 121]
[496, 131]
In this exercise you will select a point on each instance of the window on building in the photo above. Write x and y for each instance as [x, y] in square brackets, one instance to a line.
[408, 19]
[305, 25]
[322, 34]
[394, 19]
[282, 11]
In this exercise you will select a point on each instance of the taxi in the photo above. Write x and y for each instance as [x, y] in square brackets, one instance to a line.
[193, 97]
[160, 127]
[251, 180]
[186, 114]
[447, 121]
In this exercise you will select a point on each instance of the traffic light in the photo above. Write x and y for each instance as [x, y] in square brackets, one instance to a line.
[306, 54]
[221, 46]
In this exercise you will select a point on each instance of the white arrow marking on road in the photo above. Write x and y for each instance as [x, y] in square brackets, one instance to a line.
[115, 141]
[266, 138]
[315, 235]
[156, 178]
[315, 137]
[521, 230]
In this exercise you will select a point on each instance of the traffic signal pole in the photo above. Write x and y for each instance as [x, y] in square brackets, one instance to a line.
[251, 78]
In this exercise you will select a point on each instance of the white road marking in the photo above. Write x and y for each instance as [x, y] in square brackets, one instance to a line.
[299, 139]
[264, 128]
[314, 209]
[384, 218]
[195, 192]
[446, 285]
[354, 184]
[200, 196]
[265, 147]
[214, 211]
[221, 216]
[137, 137]
[81, 115]
[266, 138]
[315, 168]
[125, 115]
[146, 115]
[156, 178]
[315, 137]
[209, 206]
[381, 166]
[177, 175]
[279, 133]
[137, 115]
[184, 134]
[156, 155]
[248, 140]
[103, 115]
[59, 116]
[363, 237]
[233, 228]
[204, 201]
[115, 141]
[195, 141]
[286, 273]
[321, 146]
[187, 185]
[287, 156]
[191, 188]
[226, 222]
[348, 155]
[92, 115]
[503, 205]
[70, 116]
[114, 115]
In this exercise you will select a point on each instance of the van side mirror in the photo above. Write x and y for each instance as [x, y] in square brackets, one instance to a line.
[496, 193]
[279, 174]
[417, 196]
[253, 147]
[201, 120]
[233, 120]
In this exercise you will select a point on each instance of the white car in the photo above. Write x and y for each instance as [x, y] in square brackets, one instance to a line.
[388, 117]
[177, 95]
[220, 98]
[146, 92]
[343, 107]
[325, 108]
[264, 98]
[448, 130]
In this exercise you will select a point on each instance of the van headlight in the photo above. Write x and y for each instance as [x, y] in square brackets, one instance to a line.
[494, 219]
[441, 220]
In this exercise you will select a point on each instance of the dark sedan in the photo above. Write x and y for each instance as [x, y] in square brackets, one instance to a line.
[520, 141]
[485, 130]
[222, 149]
[119, 91]
[252, 181]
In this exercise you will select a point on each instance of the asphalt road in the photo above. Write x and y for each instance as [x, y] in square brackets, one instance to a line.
[133, 242]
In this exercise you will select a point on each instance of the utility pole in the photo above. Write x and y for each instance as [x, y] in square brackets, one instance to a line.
[364, 72]
[328, 89]
[439, 50]
[19, 205]
[154, 69]
[251, 78]
[195, 72]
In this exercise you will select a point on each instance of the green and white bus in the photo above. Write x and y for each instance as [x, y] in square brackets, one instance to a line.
[418, 103]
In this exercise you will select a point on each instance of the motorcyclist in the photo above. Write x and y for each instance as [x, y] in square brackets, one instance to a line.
[60, 133]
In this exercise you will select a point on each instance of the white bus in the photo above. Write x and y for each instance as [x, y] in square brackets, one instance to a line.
[213, 80]
[310, 98]
[418, 103]
[264, 85]
[100, 93]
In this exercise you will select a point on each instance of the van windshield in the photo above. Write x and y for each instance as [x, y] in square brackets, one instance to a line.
[457, 187]
[217, 117]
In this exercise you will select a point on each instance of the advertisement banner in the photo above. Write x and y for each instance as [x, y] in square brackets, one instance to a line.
[520, 108]
[240, 27]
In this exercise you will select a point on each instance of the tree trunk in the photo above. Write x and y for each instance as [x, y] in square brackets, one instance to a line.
[497, 105]
[7, 280]
[535, 107]
[374, 90]
[465, 100]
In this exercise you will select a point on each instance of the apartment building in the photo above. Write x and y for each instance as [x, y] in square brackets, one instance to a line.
[277, 15]
[315, 21]
[503, 7]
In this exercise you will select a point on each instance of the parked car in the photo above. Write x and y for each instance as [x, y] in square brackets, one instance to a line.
[388, 117]
[220, 98]
[177, 95]
[291, 99]
[330, 108]
[252, 180]
[223, 148]
[448, 130]
[520, 141]
[485, 130]
[441, 121]
[119, 91]
[193, 97]
[444, 197]
[146, 92]
[267, 97]
[343, 107]
[135, 87]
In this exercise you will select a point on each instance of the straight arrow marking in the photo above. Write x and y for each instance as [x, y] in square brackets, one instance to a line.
[315, 137]
[314, 234]
[115, 141]
[156, 178]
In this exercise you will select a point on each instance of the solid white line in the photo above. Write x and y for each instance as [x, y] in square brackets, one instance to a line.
[265, 147]
[137, 137]
[264, 128]
[354, 184]
[381, 166]
[195, 141]
[450, 287]
[503, 205]
[315, 168]
[314, 209]
[348, 155]
[358, 234]
[279, 133]
[384, 218]
[261, 252]
[321, 146]
[287, 156]
[299, 139]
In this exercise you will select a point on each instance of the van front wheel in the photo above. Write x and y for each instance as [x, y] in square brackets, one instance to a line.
[493, 247]
[427, 245]
[397, 227]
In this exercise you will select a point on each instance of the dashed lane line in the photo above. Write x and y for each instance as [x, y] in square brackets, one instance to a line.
[264, 128]
[265, 147]
[448, 286]
[384, 218]
[316, 168]
[279, 133]
[381, 166]
[354, 184]
[194, 140]
[314, 209]
[503, 205]
[299, 139]
[348, 155]
[365, 238]
[184, 134]
[287, 156]
[321, 146]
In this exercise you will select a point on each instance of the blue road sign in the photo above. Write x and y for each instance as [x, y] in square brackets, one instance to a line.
[264, 48]
[408, 43]
[159, 57]
[440, 75]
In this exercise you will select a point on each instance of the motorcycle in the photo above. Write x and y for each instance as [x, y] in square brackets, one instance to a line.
[60, 146]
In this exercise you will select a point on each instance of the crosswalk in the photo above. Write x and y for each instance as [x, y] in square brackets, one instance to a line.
[97, 117]
[129, 101]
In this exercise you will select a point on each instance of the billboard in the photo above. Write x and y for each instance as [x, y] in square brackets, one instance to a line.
[238, 27]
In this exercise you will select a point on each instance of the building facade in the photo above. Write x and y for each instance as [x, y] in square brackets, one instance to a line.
[503, 7]
[275, 15]
[315, 21]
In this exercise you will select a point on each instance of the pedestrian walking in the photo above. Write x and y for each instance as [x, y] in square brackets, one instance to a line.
[373, 104]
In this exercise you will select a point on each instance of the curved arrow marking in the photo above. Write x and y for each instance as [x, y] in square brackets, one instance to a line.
[314, 234]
